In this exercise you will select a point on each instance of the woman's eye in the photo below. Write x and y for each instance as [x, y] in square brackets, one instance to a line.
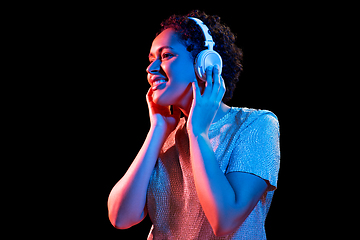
[166, 55]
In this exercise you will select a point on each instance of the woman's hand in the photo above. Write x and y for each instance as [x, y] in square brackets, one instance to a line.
[204, 107]
[161, 117]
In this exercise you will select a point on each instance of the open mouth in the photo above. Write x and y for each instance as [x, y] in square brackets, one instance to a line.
[158, 84]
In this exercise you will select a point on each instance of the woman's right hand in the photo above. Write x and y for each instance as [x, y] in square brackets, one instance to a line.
[161, 117]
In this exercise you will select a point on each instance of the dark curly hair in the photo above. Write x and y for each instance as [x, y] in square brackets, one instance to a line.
[193, 39]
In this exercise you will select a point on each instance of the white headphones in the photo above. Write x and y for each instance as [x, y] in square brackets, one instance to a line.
[206, 57]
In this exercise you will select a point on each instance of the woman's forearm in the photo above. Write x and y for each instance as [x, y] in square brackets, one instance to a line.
[214, 190]
[127, 199]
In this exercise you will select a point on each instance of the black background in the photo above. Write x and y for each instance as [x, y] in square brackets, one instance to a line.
[100, 114]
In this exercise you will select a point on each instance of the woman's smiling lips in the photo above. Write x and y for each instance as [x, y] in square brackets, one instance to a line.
[157, 83]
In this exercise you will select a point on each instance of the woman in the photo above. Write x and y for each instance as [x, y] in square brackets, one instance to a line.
[212, 173]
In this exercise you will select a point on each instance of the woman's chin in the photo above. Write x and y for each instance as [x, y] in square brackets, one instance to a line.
[160, 99]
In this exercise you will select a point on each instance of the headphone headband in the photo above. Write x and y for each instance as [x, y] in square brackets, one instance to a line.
[206, 58]
[209, 42]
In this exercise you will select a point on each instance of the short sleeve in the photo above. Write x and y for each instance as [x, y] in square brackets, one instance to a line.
[257, 149]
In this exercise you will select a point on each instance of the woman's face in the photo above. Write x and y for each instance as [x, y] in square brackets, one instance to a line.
[171, 70]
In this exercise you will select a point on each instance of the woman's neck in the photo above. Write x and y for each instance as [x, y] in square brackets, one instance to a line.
[222, 111]
[187, 98]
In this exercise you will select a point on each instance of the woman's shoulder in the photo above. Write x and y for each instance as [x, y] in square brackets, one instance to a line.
[249, 115]
[240, 118]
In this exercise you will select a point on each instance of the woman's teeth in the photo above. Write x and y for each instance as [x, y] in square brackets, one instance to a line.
[157, 83]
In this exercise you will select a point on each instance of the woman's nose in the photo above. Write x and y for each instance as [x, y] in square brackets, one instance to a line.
[153, 67]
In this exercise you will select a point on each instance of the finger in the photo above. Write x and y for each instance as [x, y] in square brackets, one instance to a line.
[222, 83]
[217, 83]
[149, 96]
[150, 102]
[209, 80]
[196, 90]
[222, 90]
[149, 93]
[155, 108]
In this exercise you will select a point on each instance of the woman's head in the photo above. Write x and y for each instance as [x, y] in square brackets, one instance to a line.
[174, 50]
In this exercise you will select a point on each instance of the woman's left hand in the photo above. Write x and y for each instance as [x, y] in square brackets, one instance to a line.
[204, 107]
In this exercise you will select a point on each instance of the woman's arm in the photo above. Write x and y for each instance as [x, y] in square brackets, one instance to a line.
[126, 203]
[226, 200]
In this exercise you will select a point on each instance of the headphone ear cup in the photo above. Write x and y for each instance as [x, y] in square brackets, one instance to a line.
[205, 59]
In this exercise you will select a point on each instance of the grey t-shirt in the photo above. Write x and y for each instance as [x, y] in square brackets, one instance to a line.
[244, 140]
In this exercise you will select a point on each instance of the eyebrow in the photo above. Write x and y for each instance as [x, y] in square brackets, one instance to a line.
[160, 50]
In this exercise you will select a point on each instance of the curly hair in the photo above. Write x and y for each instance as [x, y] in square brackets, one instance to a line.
[192, 37]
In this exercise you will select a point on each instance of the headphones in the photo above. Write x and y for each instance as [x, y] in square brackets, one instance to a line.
[207, 57]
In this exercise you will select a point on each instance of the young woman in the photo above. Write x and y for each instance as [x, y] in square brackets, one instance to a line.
[212, 173]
